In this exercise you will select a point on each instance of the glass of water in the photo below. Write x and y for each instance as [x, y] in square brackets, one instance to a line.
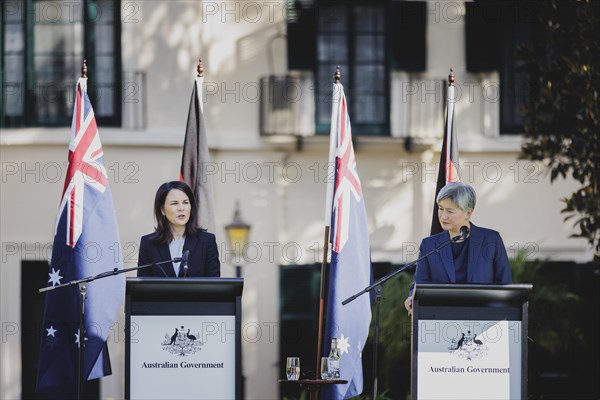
[292, 368]
[325, 374]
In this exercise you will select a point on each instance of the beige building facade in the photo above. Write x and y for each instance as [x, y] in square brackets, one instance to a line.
[278, 180]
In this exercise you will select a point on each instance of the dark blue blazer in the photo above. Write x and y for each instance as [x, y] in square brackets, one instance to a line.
[487, 259]
[203, 260]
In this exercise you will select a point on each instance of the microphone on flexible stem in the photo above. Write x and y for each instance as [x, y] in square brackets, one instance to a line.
[184, 262]
[464, 231]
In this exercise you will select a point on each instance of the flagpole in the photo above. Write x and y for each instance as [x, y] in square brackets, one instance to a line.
[200, 68]
[322, 302]
[199, 83]
[328, 205]
[450, 121]
[82, 295]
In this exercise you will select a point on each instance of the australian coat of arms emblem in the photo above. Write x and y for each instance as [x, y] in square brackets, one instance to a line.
[182, 342]
[468, 346]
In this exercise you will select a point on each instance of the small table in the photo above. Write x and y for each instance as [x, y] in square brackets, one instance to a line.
[314, 385]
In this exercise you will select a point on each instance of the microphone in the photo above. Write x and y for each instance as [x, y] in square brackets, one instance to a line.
[464, 231]
[184, 262]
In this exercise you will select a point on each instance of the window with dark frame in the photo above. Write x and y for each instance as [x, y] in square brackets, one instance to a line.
[494, 31]
[516, 86]
[368, 39]
[353, 37]
[43, 45]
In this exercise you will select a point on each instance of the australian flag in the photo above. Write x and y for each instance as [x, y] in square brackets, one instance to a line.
[350, 269]
[86, 243]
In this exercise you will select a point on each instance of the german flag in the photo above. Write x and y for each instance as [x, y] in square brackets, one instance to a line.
[448, 171]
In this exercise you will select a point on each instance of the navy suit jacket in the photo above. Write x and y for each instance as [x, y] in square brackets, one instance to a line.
[202, 262]
[487, 259]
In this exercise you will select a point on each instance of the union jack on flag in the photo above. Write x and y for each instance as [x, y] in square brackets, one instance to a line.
[85, 151]
[86, 243]
[350, 269]
[347, 182]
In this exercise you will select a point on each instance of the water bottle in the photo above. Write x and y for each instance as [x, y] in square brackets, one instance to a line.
[334, 360]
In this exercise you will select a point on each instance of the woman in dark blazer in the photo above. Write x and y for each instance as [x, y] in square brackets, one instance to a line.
[479, 258]
[176, 231]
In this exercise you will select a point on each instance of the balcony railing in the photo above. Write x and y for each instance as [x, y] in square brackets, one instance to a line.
[287, 106]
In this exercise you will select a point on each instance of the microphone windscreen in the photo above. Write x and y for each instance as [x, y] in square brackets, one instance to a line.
[464, 231]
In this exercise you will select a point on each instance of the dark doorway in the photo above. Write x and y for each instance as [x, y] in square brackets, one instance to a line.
[34, 275]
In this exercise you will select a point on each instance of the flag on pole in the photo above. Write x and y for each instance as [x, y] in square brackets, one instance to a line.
[448, 170]
[86, 243]
[196, 158]
[350, 269]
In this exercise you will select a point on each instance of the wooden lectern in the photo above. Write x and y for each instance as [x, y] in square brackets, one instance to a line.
[469, 341]
[183, 339]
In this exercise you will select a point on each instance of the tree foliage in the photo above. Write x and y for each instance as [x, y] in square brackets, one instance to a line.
[563, 119]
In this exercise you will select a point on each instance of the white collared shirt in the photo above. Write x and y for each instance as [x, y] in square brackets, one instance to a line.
[176, 250]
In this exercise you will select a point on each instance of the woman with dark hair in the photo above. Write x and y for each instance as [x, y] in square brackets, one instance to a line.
[480, 257]
[176, 232]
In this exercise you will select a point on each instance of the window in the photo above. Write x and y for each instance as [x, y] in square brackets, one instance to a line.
[353, 37]
[494, 31]
[367, 39]
[43, 45]
[516, 86]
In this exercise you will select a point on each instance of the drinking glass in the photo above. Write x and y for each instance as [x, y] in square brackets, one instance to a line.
[292, 368]
[325, 374]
